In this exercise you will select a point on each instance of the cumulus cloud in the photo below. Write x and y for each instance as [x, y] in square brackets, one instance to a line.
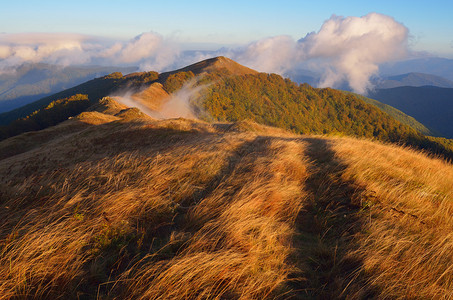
[273, 54]
[345, 49]
[53, 48]
[351, 48]
[150, 50]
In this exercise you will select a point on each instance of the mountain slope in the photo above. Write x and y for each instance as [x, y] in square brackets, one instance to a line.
[397, 115]
[101, 87]
[271, 100]
[95, 90]
[432, 106]
[31, 82]
[219, 89]
[111, 206]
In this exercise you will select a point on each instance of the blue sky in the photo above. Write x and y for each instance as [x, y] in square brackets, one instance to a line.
[223, 22]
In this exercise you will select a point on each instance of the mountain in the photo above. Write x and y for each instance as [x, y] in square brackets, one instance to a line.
[303, 76]
[104, 86]
[412, 79]
[213, 65]
[219, 89]
[112, 204]
[432, 106]
[31, 82]
[94, 89]
[396, 114]
[442, 67]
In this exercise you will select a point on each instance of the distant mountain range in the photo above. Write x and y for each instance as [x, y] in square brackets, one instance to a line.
[303, 76]
[442, 67]
[31, 82]
[379, 82]
[432, 106]
[412, 79]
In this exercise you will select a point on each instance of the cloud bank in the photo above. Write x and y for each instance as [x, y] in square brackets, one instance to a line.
[345, 49]
[148, 50]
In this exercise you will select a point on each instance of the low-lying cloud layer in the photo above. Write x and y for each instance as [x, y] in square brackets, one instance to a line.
[148, 50]
[345, 49]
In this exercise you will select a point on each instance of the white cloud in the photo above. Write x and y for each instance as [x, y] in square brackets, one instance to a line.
[148, 50]
[344, 49]
[351, 48]
[274, 54]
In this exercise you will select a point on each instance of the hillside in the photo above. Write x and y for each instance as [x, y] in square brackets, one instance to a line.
[113, 204]
[95, 90]
[432, 106]
[31, 82]
[220, 89]
[412, 79]
[272, 100]
[132, 83]
[397, 115]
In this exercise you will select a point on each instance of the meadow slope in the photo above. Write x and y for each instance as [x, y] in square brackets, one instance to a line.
[116, 205]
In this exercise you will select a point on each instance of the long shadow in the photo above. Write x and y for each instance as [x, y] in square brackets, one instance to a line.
[250, 150]
[149, 141]
[326, 227]
[161, 244]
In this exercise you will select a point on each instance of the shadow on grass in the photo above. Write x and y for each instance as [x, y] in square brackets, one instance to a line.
[326, 227]
[173, 237]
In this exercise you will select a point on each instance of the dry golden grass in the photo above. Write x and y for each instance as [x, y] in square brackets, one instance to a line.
[96, 118]
[214, 65]
[180, 209]
[240, 233]
[407, 244]
[152, 97]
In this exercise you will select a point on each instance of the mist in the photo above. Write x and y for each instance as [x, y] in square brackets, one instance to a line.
[125, 98]
[177, 105]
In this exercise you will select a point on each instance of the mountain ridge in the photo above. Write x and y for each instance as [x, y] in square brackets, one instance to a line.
[215, 64]
[30, 82]
[222, 90]
[412, 79]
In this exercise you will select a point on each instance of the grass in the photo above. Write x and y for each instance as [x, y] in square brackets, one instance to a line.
[181, 209]
[408, 248]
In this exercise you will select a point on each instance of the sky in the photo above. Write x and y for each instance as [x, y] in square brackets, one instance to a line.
[343, 41]
[223, 22]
